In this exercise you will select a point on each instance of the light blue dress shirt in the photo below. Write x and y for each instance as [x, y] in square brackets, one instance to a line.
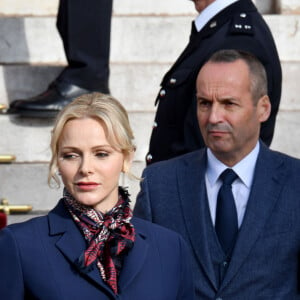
[240, 187]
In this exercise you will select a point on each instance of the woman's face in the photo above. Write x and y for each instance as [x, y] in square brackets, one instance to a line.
[89, 166]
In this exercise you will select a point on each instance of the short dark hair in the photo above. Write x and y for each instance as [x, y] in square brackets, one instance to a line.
[258, 76]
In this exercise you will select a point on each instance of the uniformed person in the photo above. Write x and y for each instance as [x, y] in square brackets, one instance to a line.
[221, 24]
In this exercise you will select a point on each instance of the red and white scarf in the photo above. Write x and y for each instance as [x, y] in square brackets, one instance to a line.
[110, 236]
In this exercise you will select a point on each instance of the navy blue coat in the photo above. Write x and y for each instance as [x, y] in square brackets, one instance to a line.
[239, 26]
[265, 262]
[37, 262]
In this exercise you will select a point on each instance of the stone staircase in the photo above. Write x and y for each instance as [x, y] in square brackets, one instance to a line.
[147, 36]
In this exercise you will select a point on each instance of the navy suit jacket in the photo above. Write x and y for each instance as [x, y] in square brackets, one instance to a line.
[265, 261]
[37, 262]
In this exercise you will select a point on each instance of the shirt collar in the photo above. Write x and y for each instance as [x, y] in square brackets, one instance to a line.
[244, 169]
[210, 11]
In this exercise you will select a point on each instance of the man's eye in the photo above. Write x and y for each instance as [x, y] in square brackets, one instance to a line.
[229, 103]
[204, 104]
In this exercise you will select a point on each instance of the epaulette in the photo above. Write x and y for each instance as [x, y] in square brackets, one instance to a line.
[242, 24]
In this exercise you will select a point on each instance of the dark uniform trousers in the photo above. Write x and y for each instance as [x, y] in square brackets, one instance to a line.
[239, 26]
[84, 27]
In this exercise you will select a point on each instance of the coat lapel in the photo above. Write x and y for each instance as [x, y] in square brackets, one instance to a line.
[265, 191]
[71, 243]
[135, 260]
[193, 198]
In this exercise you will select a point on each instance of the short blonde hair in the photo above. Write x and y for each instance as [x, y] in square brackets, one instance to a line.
[106, 110]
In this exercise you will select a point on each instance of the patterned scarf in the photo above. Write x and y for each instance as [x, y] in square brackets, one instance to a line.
[110, 236]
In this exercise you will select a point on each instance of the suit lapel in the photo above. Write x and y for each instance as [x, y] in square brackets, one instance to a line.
[192, 194]
[267, 184]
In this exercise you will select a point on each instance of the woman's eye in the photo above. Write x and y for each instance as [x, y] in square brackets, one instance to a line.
[102, 154]
[69, 156]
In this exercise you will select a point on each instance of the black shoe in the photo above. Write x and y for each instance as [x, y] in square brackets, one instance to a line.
[50, 102]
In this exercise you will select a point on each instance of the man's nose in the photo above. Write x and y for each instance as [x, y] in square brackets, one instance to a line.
[216, 114]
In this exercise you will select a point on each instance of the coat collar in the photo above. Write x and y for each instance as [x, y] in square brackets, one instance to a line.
[72, 244]
[241, 6]
[216, 22]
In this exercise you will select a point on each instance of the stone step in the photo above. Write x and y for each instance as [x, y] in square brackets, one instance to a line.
[133, 7]
[120, 7]
[24, 184]
[34, 136]
[135, 85]
[24, 39]
[137, 91]
[289, 6]
[28, 139]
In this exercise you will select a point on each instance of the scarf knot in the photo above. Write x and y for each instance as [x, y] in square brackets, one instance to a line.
[109, 236]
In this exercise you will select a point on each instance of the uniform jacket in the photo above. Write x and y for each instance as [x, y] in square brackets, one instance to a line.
[37, 262]
[266, 258]
[239, 26]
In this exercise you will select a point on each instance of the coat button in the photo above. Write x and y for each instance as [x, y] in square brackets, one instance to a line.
[154, 124]
[243, 15]
[162, 93]
[149, 157]
[173, 80]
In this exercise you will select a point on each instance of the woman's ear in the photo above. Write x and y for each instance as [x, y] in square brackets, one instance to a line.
[127, 162]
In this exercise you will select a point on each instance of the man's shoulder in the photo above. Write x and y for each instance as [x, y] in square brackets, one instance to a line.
[292, 161]
[280, 159]
[187, 158]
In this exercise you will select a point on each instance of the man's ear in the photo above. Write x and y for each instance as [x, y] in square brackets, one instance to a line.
[264, 108]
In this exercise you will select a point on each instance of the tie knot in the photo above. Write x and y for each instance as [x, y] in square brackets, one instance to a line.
[228, 176]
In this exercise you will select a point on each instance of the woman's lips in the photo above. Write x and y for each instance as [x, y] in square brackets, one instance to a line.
[87, 185]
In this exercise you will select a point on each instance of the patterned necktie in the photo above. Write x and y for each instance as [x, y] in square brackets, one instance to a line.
[226, 215]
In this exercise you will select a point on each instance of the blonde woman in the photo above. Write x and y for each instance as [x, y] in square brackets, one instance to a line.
[89, 246]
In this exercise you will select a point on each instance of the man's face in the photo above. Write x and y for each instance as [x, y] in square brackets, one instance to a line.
[228, 118]
[202, 4]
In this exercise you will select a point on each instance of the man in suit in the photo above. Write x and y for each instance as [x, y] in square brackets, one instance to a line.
[221, 24]
[85, 32]
[247, 247]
